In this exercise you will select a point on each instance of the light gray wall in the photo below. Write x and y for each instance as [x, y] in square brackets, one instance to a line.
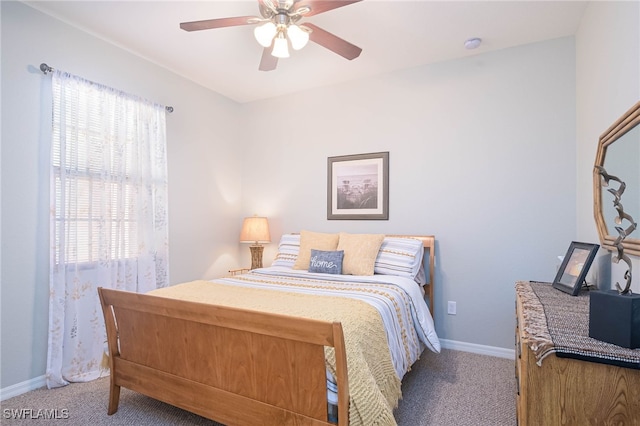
[203, 162]
[608, 84]
[482, 155]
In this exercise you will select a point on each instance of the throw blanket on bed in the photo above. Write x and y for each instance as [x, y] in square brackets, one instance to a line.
[373, 384]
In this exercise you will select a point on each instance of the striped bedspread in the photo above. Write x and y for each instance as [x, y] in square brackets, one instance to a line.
[402, 319]
[399, 301]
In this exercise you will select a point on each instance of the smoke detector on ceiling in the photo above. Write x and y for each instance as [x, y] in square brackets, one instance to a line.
[472, 43]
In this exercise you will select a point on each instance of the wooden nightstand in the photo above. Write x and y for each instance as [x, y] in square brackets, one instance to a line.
[238, 271]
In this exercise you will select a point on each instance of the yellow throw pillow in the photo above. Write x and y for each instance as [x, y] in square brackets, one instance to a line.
[360, 252]
[313, 240]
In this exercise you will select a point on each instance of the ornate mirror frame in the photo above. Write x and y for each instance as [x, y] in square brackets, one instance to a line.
[623, 125]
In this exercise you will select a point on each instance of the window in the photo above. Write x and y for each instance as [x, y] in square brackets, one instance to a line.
[97, 174]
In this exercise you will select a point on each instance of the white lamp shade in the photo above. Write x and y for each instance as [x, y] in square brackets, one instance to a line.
[255, 230]
[264, 33]
[297, 36]
[280, 47]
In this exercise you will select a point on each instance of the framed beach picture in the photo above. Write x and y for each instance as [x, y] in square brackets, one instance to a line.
[575, 265]
[358, 187]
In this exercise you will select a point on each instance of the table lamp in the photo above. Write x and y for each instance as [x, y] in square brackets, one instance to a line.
[255, 230]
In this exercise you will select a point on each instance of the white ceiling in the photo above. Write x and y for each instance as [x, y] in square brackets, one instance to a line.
[393, 35]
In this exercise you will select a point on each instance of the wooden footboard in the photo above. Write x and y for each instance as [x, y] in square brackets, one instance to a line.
[234, 366]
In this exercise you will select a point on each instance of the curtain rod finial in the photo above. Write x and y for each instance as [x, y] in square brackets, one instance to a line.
[45, 68]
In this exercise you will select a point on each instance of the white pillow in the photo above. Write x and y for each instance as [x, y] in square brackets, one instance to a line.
[401, 257]
[288, 250]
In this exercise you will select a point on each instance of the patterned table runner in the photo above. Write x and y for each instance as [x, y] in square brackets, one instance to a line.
[559, 323]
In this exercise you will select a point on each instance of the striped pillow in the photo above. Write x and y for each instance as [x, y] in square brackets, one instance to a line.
[399, 256]
[288, 250]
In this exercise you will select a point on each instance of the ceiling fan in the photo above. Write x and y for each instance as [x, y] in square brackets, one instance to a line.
[278, 27]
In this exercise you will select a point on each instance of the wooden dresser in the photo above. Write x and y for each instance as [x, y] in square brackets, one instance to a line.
[567, 391]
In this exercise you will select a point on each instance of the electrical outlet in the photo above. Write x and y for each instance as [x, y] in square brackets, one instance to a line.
[451, 307]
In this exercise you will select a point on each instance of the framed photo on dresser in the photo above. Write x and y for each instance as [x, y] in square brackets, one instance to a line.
[575, 265]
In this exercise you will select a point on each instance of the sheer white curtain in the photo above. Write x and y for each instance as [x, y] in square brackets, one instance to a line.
[108, 215]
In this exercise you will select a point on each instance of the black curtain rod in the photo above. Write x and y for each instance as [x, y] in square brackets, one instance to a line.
[47, 69]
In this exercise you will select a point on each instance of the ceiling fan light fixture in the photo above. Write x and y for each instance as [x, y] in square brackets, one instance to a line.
[280, 47]
[264, 33]
[297, 36]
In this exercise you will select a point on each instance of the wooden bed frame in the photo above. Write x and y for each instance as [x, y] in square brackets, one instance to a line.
[234, 366]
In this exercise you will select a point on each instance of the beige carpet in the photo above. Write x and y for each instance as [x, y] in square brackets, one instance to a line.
[456, 388]
[450, 388]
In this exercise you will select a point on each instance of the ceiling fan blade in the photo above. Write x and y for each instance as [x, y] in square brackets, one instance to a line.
[321, 6]
[209, 24]
[268, 61]
[332, 42]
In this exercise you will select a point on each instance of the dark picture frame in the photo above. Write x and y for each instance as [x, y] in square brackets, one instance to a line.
[358, 187]
[574, 267]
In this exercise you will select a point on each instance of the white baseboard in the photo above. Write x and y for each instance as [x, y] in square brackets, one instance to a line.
[478, 349]
[23, 387]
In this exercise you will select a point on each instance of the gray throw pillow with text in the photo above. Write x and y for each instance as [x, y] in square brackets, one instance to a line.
[327, 262]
